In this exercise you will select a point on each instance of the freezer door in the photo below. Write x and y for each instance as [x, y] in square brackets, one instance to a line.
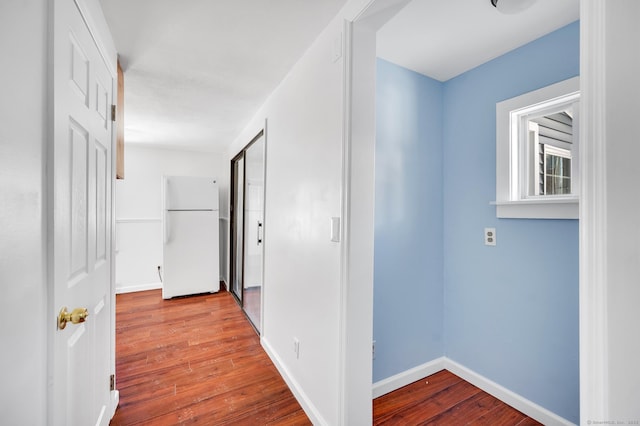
[190, 255]
[190, 193]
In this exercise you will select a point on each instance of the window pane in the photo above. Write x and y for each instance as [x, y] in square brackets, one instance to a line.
[550, 142]
[557, 175]
[557, 185]
[558, 166]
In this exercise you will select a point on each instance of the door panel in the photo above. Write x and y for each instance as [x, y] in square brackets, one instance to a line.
[79, 70]
[78, 217]
[81, 228]
[102, 165]
[247, 228]
[253, 231]
[237, 230]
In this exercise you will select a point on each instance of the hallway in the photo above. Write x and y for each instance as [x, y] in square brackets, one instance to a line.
[195, 359]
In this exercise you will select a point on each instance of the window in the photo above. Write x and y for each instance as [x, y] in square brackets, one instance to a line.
[537, 147]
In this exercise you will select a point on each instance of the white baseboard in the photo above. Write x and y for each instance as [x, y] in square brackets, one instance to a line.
[307, 405]
[409, 376]
[518, 402]
[252, 286]
[130, 288]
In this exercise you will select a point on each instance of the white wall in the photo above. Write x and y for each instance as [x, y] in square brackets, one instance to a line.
[303, 191]
[139, 205]
[623, 208]
[304, 278]
[23, 305]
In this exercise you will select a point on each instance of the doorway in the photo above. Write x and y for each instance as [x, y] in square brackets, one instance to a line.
[363, 81]
[247, 228]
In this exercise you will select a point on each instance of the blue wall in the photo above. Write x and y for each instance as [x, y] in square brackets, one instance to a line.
[408, 293]
[510, 312]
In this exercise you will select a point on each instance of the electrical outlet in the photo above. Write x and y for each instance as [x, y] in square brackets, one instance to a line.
[296, 347]
[373, 349]
[490, 236]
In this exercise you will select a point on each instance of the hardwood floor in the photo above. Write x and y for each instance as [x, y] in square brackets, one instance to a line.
[195, 359]
[198, 360]
[444, 399]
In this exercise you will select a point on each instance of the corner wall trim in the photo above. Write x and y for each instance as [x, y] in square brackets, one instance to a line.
[392, 383]
[307, 405]
[594, 220]
[518, 402]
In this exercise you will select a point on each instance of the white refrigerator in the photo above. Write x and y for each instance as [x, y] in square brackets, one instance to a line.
[191, 232]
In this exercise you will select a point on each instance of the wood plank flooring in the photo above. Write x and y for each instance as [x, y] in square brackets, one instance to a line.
[444, 399]
[195, 359]
[198, 360]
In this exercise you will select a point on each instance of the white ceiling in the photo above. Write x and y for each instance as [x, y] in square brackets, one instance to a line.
[196, 71]
[444, 38]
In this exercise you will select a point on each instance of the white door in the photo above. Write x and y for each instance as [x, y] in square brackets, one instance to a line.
[81, 172]
[253, 231]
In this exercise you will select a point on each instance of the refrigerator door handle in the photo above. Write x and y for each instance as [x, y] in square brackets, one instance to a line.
[165, 214]
[259, 233]
[167, 228]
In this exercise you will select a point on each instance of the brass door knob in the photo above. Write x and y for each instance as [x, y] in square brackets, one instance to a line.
[76, 316]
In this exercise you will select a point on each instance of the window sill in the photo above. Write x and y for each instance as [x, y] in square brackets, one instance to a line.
[563, 208]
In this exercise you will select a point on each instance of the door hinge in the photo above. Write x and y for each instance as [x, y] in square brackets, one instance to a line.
[113, 113]
[112, 382]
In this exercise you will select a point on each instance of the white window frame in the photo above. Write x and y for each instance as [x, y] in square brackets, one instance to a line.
[562, 153]
[512, 160]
